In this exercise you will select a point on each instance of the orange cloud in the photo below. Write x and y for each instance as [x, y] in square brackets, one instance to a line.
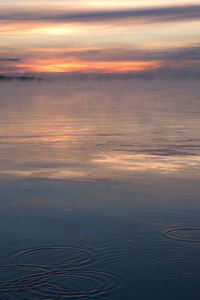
[57, 65]
[94, 59]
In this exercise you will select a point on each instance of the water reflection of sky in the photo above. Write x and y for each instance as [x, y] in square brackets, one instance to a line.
[99, 130]
[107, 174]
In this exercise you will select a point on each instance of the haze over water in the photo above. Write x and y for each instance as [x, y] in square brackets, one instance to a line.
[100, 190]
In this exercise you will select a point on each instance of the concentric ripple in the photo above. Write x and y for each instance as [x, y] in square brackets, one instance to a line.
[11, 274]
[189, 234]
[178, 266]
[69, 284]
[54, 256]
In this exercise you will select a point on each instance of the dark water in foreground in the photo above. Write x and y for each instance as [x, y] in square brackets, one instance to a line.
[99, 190]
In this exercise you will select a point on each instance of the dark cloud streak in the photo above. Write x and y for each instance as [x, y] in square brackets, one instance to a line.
[116, 54]
[166, 14]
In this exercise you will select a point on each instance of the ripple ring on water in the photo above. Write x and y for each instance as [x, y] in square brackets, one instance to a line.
[71, 284]
[187, 234]
[178, 266]
[62, 256]
[13, 284]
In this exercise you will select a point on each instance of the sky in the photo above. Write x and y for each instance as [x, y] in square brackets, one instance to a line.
[99, 36]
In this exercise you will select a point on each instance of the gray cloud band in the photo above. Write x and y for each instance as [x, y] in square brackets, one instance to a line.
[116, 54]
[164, 14]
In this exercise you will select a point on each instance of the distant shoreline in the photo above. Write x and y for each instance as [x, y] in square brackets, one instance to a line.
[18, 78]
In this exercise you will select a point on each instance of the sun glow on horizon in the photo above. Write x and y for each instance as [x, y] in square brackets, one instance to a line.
[63, 36]
[82, 66]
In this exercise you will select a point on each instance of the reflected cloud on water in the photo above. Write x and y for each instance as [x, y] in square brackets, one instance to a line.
[99, 190]
[99, 130]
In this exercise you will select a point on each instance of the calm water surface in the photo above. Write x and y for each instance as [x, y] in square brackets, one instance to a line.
[99, 190]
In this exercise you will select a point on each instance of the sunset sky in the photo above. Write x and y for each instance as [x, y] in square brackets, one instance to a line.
[99, 36]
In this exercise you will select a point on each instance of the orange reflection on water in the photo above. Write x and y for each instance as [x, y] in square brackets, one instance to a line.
[99, 130]
[145, 163]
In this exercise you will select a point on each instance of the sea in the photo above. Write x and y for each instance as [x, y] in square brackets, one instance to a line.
[100, 189]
